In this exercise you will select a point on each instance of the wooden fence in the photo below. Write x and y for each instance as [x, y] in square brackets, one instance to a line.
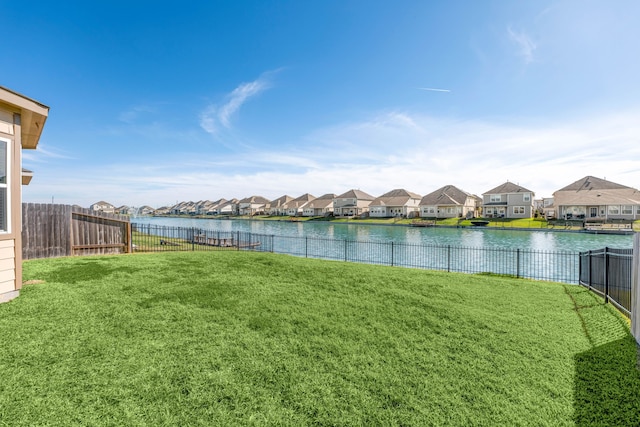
[50, 230]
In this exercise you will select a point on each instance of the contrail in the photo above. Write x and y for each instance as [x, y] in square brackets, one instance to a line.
[434, 89]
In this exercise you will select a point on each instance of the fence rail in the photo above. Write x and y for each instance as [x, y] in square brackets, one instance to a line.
[608, 272]
[539, 265]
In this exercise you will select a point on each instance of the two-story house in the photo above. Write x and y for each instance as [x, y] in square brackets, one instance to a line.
[449, 202]
[508, 200]
[352, 203]
[395, 203]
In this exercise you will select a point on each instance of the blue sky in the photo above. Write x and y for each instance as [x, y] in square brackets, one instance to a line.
[155, 102]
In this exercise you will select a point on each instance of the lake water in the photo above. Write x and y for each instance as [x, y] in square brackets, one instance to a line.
[552, 241]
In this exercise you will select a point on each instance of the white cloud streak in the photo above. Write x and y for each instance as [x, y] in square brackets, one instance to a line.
[525, 45]
[433, 89]
[214, 117]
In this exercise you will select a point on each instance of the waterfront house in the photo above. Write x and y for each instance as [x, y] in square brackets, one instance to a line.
[21, 122]
[449, 202]
[395, 203]
[597, 199]
[296, 206]
[103, 206]
[252, 205]
[214, 207]
[508, 200]
[352, 203]
[321, 206]
[230, 207]
[277, 206]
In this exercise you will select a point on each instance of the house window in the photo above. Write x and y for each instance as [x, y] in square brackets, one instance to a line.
[4, 185]
[518, 210]
[526, 197]
[627, 210]
[494, 198]
[614, 210]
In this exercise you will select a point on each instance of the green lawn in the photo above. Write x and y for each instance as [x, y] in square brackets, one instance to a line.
[237, 338]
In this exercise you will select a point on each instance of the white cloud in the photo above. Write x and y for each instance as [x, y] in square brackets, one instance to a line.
[390, 150]
[213, 117]
[525, 45]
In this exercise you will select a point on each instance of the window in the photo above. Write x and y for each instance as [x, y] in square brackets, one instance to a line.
[526, 197]
[614, 210]
[518, 210]
[4, 185]
[627, 210]
[494, 198]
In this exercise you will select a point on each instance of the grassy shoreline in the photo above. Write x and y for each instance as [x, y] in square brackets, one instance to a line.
[234, 338]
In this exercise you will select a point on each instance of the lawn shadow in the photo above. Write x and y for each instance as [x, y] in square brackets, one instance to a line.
[607, 377]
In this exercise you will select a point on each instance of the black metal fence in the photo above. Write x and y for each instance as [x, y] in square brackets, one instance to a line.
[538, 265]
[608, 272]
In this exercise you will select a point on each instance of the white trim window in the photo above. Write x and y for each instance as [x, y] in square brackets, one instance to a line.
[526, 197]
[4, 185]
[518, 210]
[627, 210]
[495, 198]
[614, 209]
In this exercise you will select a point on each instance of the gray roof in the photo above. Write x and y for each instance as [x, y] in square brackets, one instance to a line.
[596, 192]
[593, 183]
[506, 188]
[398, 197]
[356, 194]
[447, 195]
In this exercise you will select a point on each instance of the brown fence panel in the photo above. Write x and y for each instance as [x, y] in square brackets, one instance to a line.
[50, 230]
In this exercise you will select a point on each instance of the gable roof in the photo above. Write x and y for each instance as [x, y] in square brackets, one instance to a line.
[595, 191]
[254, 200]
[356, 194]
[33, 115]
[280, 201]
[447, 195]
[592, 183]
[508, 187]
[398, 197]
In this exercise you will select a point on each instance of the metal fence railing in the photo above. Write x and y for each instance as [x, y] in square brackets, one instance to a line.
[538, 265]
[608, 272]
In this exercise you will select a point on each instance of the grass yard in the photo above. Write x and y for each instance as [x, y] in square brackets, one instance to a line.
[237, 338]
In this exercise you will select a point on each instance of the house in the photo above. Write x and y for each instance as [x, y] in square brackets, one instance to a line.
[21, 122]
[395, 203]
[296, 206]
[103, 206]
[449, 202]
[508, 200]
[277, 206]
[252, 205]
[229, 208]
[214, 207]
[595, 198]
[322, 206]
[352, 203]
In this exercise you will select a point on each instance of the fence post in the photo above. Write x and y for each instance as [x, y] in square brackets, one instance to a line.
[606, 275]
[589, 283]
[193, 238]
[518, 263]
[345, 249]
[392, 253]
[238, 240]
[306, 247]
[273, 242]
[448, 258]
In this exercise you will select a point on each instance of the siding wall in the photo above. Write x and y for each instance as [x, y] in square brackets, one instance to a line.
[7, 266]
